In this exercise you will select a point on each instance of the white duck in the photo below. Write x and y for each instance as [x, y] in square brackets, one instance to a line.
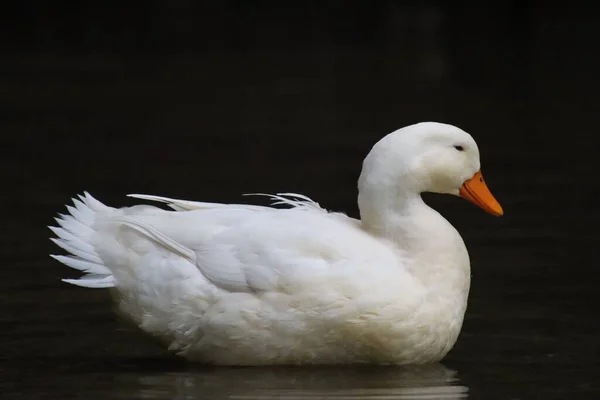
[248, 285]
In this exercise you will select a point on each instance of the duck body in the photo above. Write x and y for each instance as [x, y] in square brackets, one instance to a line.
[250, 285]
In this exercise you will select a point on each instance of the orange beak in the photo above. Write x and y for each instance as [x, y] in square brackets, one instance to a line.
[476, 191]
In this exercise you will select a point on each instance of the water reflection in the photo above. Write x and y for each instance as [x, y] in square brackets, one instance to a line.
[422, 382]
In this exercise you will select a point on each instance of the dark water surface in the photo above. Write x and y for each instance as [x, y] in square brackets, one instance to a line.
[207, 104]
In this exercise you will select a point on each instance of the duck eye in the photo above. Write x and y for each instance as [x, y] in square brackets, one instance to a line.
[459, 147]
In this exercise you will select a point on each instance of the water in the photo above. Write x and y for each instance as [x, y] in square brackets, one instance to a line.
[205, 111]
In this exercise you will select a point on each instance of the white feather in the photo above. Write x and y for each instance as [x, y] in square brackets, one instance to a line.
[154, 234]
[73, 226]
[291, 199]
[70, 239]
[75, 235]
[81, 265]
[66, 245]
[102, 282]
[187, 205]
[294, 200]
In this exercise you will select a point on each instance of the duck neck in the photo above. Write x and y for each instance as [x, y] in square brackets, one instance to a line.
[401, 218]
[433, 249]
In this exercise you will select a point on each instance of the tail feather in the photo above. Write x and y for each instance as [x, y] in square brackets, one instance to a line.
[74, 235]
[77, 252]
[81, 265]
[70, 224]
[66, 237]
[93, 283]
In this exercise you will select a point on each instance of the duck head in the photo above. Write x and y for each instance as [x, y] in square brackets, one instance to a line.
[427, 157]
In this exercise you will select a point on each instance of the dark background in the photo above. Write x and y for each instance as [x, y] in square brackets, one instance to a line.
[209, 100]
